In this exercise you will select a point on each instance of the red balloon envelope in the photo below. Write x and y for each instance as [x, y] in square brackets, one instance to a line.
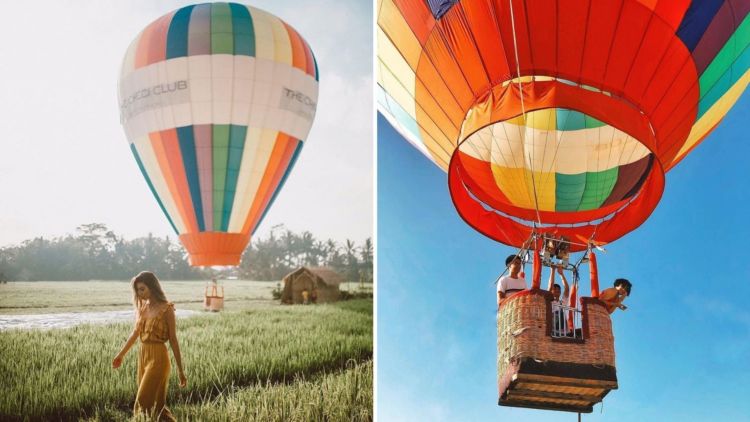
[555, 114]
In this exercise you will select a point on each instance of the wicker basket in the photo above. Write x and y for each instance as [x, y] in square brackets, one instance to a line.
[214, 301]
[537, 370]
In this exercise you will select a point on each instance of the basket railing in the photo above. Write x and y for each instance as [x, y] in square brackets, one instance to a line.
[567, 322]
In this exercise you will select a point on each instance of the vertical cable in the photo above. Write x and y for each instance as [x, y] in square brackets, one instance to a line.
[518, 64]
[523, 108]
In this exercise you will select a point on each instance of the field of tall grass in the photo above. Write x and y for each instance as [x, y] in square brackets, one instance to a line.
[33, 297]
[30, 297]
[340, 396]
[252, 362]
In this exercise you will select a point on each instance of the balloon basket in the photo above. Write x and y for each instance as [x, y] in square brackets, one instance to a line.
[539, 370]
[213, 300]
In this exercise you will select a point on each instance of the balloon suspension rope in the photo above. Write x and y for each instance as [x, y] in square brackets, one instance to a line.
[521, 254]
[580, 261]
[536, 201]
[518, 64]
[523, 107]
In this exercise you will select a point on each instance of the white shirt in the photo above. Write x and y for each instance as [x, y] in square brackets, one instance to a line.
[507, 282]
[563, 301]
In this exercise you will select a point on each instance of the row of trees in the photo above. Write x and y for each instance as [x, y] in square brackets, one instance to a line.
[95, 252]
[282, 251]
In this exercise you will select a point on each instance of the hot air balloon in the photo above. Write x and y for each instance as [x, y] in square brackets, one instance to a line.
[216, 100]
[556, 121]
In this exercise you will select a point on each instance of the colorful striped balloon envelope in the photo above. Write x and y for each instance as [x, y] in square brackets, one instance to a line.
[216, 100]
[556, 115]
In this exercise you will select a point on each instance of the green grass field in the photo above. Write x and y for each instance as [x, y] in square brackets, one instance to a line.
[34, 297]
[255, 361]
[339, 396]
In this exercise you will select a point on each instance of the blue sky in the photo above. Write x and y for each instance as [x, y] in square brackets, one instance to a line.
[683, 346]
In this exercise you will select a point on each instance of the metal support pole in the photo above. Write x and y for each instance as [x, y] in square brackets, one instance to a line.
[594, 274]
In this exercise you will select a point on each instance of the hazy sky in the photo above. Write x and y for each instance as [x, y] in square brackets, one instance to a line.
[64, 158]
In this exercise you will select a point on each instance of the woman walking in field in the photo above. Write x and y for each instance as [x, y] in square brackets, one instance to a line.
[154, 324]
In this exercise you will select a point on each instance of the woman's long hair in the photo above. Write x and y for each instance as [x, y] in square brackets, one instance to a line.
[149, 279]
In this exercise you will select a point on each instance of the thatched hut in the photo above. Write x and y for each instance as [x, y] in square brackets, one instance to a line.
[319, 285]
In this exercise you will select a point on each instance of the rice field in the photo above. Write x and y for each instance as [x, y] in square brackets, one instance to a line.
[33, 297]
[340, 396]
[254, 361]
[69, 319]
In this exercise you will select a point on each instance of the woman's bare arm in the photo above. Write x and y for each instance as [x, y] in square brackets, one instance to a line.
[117, 361]
[551, 279]
[172, 326]
[566, 287]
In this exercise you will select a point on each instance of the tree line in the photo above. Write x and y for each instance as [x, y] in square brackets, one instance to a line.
[94, 252]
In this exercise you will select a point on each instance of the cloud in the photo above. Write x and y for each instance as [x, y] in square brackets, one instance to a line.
[719, 309]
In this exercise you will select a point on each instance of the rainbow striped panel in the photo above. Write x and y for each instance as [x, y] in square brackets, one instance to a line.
[718, 35]
[216, 100]
[561, 160]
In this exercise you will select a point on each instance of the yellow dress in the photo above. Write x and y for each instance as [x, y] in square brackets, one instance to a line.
[153, 366]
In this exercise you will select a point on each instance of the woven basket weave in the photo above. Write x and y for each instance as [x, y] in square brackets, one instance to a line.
[522, 331]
